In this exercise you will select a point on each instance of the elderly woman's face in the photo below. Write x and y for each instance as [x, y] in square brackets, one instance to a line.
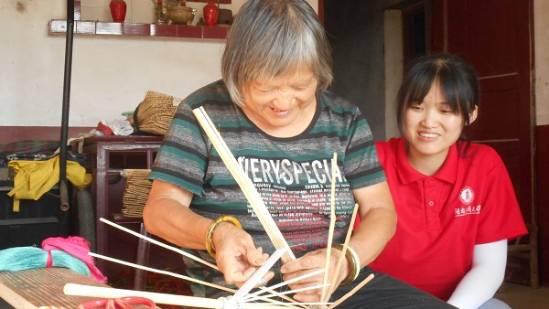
[283, 105]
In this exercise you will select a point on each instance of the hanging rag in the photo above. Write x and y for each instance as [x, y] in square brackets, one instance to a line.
[34, 178]
[77, 247]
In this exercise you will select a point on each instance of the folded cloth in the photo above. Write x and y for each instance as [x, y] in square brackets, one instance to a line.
[77, 247]
[34, 178]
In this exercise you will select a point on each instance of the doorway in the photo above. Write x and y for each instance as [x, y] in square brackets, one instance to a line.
[405, 35]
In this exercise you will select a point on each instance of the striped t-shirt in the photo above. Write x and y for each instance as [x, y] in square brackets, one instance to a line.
[292, 175]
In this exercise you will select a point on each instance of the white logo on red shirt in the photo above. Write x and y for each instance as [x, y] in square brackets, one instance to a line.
[466, 195]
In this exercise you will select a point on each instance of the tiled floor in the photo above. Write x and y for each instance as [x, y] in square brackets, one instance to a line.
[524, 297]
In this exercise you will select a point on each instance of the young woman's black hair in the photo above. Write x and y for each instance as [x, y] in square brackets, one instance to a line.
[456, 78]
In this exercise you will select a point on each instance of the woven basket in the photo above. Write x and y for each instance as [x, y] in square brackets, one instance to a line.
[154, 114]
[136, 192]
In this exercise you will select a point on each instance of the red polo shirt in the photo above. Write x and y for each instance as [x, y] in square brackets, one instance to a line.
[469, 201]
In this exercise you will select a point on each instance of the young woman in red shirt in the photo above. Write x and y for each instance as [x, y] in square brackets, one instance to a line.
[455, 202]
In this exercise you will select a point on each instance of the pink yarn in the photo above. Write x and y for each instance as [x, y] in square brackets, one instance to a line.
[77, 247]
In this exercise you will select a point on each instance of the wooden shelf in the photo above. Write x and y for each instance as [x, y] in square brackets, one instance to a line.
[91, 27]
[220, 1]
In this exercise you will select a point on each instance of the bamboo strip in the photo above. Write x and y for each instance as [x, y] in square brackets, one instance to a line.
[330, 230]
[258, 275]
[161, 298]
[248, 188]
[158, 298]
[345, 247]
[172, 274]
[286, 298]
[288, 282]
[169, 248]
[308, 288]
[158, 243]
[163, 272]
[351, 292]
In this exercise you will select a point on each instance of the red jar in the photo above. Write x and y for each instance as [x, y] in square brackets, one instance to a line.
[211, 13]
[118, 10]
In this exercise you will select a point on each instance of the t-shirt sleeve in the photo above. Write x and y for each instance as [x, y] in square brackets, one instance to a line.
[381, 152]
[182, 158]
[501, 217]
[361, 165]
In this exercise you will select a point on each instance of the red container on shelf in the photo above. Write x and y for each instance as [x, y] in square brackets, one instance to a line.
[211, 13]
[118, 10]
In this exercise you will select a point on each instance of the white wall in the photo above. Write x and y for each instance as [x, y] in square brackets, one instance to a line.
[541, 39]
[110, 74]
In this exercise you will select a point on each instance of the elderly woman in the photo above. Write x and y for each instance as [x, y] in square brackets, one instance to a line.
[274, 113]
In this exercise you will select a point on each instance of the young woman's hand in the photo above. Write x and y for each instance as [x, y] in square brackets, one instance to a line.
[236, 255]
[312, 261]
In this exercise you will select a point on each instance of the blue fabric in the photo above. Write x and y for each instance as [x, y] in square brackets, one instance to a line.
[25, 258]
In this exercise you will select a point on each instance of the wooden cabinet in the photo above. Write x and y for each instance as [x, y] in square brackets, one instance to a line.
[108, 156]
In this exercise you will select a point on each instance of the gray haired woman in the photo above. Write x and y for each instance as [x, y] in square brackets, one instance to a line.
[276, 116]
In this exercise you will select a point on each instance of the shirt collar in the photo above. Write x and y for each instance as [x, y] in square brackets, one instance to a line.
[407, 174]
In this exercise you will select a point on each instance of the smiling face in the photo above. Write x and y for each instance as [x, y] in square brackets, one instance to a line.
[282, 106]
[431, 127]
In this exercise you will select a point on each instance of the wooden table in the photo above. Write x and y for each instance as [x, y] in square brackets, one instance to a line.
[37, 288]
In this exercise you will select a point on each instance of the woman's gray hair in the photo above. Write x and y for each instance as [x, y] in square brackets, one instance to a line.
[270, 37]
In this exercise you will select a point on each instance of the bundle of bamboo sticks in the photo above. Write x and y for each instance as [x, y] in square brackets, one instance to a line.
[155, 112]
[136, 192]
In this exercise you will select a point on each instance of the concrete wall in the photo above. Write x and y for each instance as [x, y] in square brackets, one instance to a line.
[110, 74]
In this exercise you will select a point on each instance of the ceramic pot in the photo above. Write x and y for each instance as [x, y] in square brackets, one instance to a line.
[180, 14]
[118, 10]
[211, 13]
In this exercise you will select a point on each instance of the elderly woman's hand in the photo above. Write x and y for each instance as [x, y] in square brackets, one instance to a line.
[236, 255]
[312, 261]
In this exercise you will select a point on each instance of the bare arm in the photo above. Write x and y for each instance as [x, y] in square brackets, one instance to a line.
[167, 215]
[378, 221]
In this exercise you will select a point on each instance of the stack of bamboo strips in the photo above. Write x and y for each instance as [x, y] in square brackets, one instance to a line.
[155, 113]
[136, 192]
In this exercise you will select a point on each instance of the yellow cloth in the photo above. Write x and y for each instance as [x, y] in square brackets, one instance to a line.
[34, 178]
